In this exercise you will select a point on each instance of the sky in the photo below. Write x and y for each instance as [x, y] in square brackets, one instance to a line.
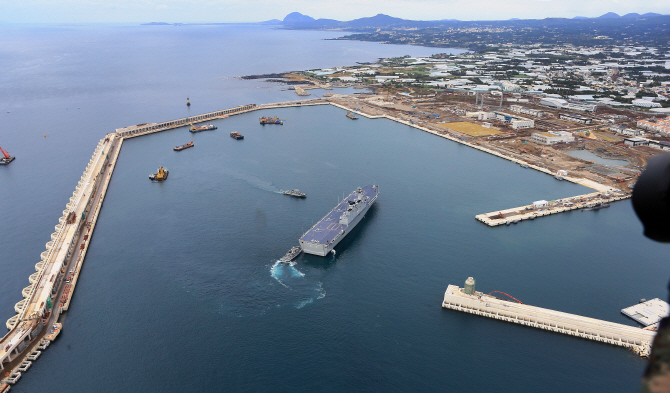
[130, 11]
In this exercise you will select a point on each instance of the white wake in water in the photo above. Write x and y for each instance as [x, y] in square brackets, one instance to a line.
[276, 271]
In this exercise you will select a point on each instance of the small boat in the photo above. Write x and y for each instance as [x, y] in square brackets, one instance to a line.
[351, 116]
[271, 120]
[236, 135]
[291, 254]
[558, 177]
[6, 159]
[182, 147]
[207, 127]
[295, 193]
[159, 176]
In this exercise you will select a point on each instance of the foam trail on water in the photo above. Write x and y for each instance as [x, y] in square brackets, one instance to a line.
[321, 291]
[295, 272]
[304, 303]
[276, 271]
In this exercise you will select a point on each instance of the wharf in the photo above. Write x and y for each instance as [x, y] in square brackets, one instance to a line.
[637, 339]
[529, 212]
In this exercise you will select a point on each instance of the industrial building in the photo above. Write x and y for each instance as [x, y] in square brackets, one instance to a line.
[560, 103]
[552, 137]
[517, 122]
[526, 111]
[635, 142]
[575, 118]
[660, 145]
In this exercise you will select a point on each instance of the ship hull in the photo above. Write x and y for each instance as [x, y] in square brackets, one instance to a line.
[322, 248]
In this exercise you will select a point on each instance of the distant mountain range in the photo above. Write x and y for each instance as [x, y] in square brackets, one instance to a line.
[298, 20]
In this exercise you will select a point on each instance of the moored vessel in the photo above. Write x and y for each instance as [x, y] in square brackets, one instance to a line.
[597, 206]
[330, 230]
[295, 192]
[6, 159]
[182, 147]
[207, 127]
[351, 116]
[236, 135]
[291, 254]
[159, 176]
[271, 120]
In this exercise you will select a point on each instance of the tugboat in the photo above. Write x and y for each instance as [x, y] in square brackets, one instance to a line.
[208, 127]
[236, 135]
[7, 158]
[182, 147]
[291, 254]
[351, 116]
[295, 193]
[159, 176]
[271, 120]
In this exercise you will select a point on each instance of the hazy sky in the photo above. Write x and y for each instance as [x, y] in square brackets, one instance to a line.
[260, 10]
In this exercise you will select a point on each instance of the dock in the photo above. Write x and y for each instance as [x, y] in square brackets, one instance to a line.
[531, 212]
[470, 301]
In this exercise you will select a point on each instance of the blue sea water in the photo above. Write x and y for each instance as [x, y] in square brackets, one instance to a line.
[181, 291]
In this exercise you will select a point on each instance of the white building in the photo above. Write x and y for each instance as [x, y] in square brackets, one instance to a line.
[635, 141]
[526, 111]
[659, 127]
[575, 118]
[646, 104]
[551, 137]
[626, 131]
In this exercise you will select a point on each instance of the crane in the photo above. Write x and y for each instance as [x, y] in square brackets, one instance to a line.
[7, 158]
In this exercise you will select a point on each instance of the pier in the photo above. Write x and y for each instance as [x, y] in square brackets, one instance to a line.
[470, 301]
[531, 212]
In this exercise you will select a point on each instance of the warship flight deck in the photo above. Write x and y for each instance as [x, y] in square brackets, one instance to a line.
[330, 230]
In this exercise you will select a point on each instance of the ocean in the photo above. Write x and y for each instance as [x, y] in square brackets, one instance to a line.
[181, 290]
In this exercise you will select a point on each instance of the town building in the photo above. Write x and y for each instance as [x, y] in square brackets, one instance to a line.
[526, 111]
[661, 127]
[626, 131]
[575, 118]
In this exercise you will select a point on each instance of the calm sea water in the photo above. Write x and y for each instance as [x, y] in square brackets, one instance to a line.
[180, 290]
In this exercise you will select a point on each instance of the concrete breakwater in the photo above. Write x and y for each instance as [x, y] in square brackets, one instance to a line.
[36, 323]
[465, 300]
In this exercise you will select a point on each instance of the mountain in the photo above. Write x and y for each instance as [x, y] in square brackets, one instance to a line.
[581, 17]
[631, 15]
[648, 14]
[271, 22]
[609, 15]
[379, 20]
[297, 17]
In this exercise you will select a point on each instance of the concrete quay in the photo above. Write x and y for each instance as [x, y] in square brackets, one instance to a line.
[36, 323]
[637, 339]
[529, 212]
